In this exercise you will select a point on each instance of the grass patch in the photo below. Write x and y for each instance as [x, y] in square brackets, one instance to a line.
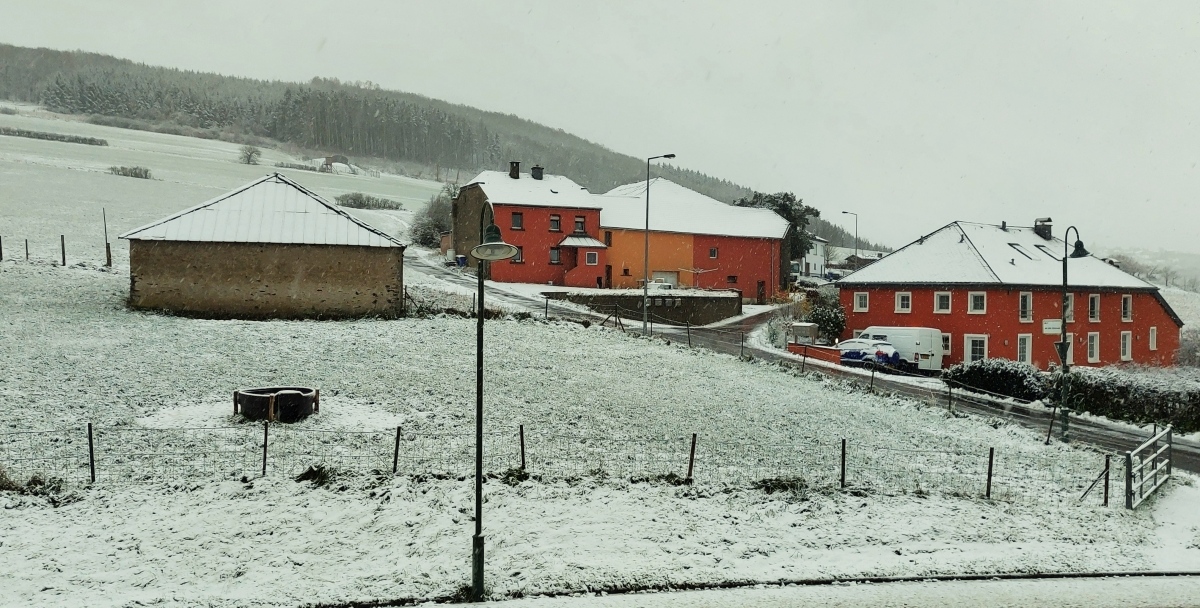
[358, 200]
[771, 485]
[667, 478]
[138, 172]
[514, 476]
[297, 166]
[9, 111]
[71, 139]
[318, 474]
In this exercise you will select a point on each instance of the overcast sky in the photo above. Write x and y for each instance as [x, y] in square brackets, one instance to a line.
[911, 114]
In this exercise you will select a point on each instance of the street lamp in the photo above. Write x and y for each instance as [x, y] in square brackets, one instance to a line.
[1064, 347]
[491, 248]
[646, 259]
[855, 237]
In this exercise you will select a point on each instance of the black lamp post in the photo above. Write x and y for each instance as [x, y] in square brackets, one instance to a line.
[855, 237]
[491, 248]
[646, 260]
[1063, 346]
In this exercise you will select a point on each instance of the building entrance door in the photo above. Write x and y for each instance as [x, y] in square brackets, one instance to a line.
[608, 276]
[762, 292]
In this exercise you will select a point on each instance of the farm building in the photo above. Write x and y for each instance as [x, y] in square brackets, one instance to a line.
[270, 249]
[695, 241]
[996, 292]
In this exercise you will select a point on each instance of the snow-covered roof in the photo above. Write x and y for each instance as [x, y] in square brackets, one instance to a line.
[674, 208]
[273, 209]
[581, 241]
[976, 254]
[550, 191]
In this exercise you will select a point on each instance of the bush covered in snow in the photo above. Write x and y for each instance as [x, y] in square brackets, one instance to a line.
[1000, 376]
[1141, 395]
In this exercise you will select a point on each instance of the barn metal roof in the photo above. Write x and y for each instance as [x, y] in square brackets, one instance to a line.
[273, 209]
[550, 191]
[674, 208]
[582, 241]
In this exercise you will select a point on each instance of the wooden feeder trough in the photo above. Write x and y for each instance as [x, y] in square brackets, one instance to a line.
[277, 403]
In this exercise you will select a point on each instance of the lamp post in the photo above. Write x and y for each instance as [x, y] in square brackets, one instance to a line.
[855, 237]
[491, 248]
[646, 259]
[1063, 346]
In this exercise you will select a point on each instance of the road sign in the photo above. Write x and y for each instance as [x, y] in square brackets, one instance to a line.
[1062, 348]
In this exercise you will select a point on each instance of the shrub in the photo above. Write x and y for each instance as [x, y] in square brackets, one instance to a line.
[1000, 376]
[72, 139]
[434, 219]
[1136, 395]
[249, 155]
[1189, 348]
[358, 200]
[317, 474]
[297, 166]
[830, 319]
[138, 172]
[9, 111]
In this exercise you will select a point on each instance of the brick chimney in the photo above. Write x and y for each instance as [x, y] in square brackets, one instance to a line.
[514, 169]
[536, 172]
[1042, 227]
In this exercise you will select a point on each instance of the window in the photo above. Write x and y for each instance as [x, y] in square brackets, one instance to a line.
[860, 301]
[946, 345]
[1026, 307]
[1020, 250]
[712, 252]
[941, 302]
[903, 301]
[591, 258]
[1126, 345]
[975, 347]
[519, 258]
[1070, 349]
[1024, 344]
[580, 224]
[1046, 250]
[658, 301]
[608, 237]
[1093, 347]
[731, 279]
[625, 272]
[554, 256]
[1070, 308]
[1153, 338]
[518, 220]
[976, 303]
[1126, 308]
[1094, 308]
[555, 223]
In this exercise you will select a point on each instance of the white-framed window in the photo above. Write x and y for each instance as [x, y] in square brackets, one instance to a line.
[941, 302]
[1126, 346]
[1127, 308]
[975, 347]
[903, 301]
[1070, 304]
[946, 345]
[1025, 348]
[591, 258]
[1093, 354]
[518, 220]
[580, 224]
[861, 301]
[1070, 349]
[555, 258]
[976, 302]
[712, 253]
[1025, 307]
[520, 257]
[555, 223]
[1153, 338]
[1094, 308]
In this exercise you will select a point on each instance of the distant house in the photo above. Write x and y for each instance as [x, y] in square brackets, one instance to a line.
[553, 222]
[848, 260]
[695, 241]
[813, 264]
[996, 292]
[270, 249]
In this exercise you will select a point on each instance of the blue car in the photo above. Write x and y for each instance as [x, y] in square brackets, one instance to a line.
[864, 353]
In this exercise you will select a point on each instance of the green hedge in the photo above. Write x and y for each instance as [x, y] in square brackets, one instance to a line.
[1141, 396]
[999, 376]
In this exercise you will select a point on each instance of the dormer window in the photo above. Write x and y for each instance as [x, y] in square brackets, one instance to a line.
[580, 224]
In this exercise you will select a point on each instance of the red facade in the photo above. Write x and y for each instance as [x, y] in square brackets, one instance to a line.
[539, 240]
[1151, 330]
[751, 265]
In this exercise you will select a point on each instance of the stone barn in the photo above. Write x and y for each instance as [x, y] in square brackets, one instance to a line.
[270, 249]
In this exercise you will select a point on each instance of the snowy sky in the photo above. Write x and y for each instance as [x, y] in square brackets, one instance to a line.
[911, 114]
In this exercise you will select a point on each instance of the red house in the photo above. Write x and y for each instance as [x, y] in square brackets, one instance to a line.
[552, 220]
[996, 292]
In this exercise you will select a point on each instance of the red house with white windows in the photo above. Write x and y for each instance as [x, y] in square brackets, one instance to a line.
[551, 220]
[996, 292]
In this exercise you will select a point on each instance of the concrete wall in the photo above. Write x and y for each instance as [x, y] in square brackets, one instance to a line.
[256, 280]
[693, 309]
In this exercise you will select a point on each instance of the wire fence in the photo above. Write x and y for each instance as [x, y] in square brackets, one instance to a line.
[124, 455]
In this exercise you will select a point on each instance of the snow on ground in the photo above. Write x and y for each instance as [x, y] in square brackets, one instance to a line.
[1185, 303]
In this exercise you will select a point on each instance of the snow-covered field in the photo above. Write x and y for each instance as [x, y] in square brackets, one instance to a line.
[1185, 303]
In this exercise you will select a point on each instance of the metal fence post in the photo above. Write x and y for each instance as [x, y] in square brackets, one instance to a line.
[235, 405]
[742, 353]
[396, 453]
[62, 238]
[689, 332]
[266, 426]
[872, 376]
[547, 313]
[26, 250]
[843, 463]
[1170, 449]
[1107, 468]
[1128, 480]
[521, 435]
[91, 454]
[1, 249]
[949, 397]
[991, 461]
[691, 458]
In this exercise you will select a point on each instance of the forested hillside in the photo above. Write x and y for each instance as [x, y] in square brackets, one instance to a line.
[355, 119]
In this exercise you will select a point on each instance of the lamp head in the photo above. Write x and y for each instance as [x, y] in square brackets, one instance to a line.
[668, 156]
[493, 247]
[1080, 252]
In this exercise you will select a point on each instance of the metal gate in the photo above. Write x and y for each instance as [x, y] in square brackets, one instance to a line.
[1147, 468]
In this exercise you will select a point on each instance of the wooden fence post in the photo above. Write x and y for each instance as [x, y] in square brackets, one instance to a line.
[91, 454]
[62, 239]
[689, 330]
[843, 463]
[804, 358]
[743, 344]
[949, 397]
[991, 460]
[108, 255]
[1107, 468]
[26, 250]
[521, 433]
[1, 249]
[1128, 480]
[266, 426]
[317, 401]
[396, 453]
[235, 406]
[691, 459]
[546, 314]
[271, 408]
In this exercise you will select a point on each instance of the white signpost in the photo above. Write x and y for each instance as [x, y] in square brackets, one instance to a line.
[1052, 326]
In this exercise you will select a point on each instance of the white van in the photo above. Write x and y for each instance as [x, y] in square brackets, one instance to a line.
[920, 348]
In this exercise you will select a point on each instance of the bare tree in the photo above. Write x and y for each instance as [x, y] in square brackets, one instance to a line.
[249, 155]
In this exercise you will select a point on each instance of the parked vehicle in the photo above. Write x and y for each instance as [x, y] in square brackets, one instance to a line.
[865, 352]
[919, 348]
